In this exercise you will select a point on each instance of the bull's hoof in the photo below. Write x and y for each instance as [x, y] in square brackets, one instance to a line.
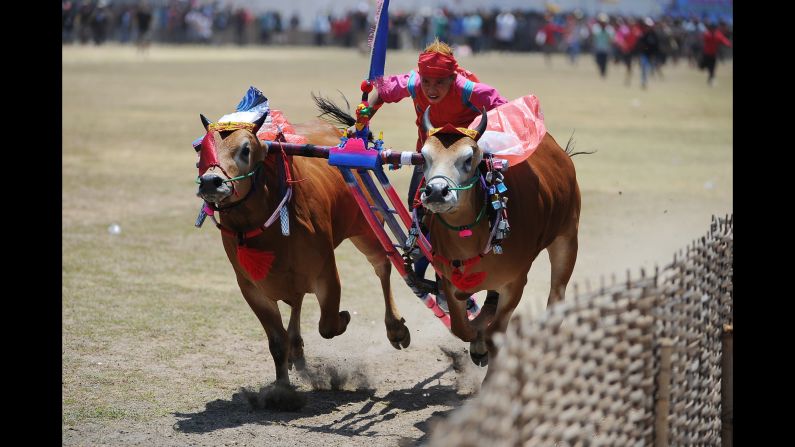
[399, 336]
[330, 328]
[346, 318]
[296, 357]
[479, 359]
[403, 342]
[479, 353]
[298, 362]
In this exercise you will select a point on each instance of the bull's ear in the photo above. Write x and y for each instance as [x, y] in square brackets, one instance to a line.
[258, 123]
[484, 121]
[205, 122]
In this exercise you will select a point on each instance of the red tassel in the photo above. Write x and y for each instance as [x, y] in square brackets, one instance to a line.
[465, 282]
[256, 262]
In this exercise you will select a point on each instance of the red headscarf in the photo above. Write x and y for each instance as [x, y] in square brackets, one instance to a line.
[437, 65]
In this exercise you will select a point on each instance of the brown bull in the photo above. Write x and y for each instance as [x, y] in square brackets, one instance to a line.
[543, 208]
[322, 215]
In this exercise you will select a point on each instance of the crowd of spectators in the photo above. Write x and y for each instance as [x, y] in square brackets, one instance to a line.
[653, 41]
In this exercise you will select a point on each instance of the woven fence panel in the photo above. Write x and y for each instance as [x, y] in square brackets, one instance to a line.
[585, 372]
[697, 302]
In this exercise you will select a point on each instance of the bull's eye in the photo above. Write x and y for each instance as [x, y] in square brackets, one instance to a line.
[245, 152]
[468, 164]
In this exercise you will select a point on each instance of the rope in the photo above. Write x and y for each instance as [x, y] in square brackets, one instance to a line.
[465, 227]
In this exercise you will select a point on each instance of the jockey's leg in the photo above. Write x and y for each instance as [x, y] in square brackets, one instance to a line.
[421, 264]
[416, 177]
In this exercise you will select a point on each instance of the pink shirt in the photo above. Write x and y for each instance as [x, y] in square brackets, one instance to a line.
[452, 109]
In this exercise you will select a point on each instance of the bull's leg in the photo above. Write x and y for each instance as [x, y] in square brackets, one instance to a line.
[562, 256]
[487, 311]
[396, 330]
[332, 321]
[267, 311]
[296, 352]
[478, 350]
[510, 295]
[460, 325]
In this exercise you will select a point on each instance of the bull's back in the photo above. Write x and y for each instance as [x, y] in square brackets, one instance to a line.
[326, 199]
[545, 196]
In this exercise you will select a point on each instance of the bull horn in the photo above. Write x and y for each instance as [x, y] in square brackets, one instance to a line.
[484, 121]
[205, 122]
[426, 120]
[258, 123]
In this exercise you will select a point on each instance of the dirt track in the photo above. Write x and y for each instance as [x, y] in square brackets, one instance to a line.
[159, 346]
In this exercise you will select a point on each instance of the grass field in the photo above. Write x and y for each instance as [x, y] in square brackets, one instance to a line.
[154, 327]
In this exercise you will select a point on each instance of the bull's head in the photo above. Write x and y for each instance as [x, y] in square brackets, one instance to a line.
[451, 157]
[229, 156]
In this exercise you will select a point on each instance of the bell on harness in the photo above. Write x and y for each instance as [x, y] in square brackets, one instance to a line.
[496, 203]
[495, 177]
[503, 230]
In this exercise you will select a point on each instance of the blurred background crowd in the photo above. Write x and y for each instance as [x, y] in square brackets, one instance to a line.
[672, 35]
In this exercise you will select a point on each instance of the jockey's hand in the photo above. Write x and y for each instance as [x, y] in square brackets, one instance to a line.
[351, 132]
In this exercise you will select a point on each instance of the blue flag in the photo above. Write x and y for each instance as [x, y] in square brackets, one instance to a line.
[379, 41]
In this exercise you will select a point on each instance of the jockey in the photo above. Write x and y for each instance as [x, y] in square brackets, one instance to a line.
[455, 95]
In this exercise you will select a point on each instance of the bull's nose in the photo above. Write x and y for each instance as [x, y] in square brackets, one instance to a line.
[436, 192]
[210, 182]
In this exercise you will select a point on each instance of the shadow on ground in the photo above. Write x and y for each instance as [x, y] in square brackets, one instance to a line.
[246, 407]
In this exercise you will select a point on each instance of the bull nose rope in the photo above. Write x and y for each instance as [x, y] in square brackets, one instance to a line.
[234, 179]
[463, 187]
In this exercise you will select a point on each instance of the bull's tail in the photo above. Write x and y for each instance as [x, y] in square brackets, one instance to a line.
[570, 147]
[334, 113]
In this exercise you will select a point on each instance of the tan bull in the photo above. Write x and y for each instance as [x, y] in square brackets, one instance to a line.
[543, 209]
[322, 215]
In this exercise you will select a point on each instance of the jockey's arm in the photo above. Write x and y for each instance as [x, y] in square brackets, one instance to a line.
[375, 102]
